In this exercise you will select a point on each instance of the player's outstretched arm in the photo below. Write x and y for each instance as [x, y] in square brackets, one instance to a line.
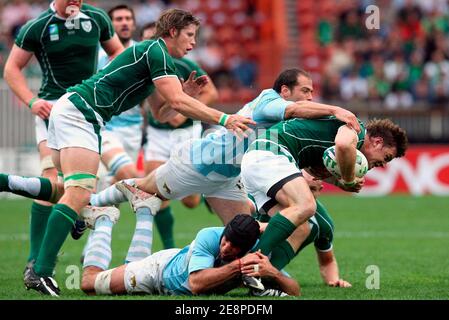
[329, 270]
[171, 90]
[310, 110]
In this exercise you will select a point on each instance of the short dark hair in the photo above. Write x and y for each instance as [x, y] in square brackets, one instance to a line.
[242, 231]
[147, 26]
[174, 18]
[391, 133]
[289, 78]
[121, 7]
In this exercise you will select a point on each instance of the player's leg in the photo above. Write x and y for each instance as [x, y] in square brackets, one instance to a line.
[227, 209]
[272, 179]
[40, 210]
[98, 253]
[97, 281]
[80, 181]
[115, 158]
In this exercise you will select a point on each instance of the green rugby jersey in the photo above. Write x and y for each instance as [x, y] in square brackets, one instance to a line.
[184, 67]
[65, 48]
[304, 139]
[126, 80]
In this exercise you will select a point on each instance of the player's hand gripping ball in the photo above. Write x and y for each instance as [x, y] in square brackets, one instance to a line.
[330, 162]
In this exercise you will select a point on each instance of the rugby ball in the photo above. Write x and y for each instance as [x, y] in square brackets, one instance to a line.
[330, 162]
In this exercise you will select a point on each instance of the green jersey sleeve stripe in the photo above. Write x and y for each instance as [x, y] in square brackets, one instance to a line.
[166, 76]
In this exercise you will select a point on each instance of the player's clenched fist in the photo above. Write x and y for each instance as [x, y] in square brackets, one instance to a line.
[41, 108]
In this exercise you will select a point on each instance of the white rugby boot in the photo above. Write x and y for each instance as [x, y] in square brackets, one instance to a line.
[138, 198]
[91, 214]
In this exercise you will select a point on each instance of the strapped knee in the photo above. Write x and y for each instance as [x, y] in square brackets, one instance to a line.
[118, 161]
[103, 282]
[47, 163]
[87, 181]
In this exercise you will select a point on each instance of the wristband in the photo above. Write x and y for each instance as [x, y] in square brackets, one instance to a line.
[223, 119]
[33, 100]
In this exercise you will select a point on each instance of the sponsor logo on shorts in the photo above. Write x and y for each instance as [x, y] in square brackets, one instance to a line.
[166, 188]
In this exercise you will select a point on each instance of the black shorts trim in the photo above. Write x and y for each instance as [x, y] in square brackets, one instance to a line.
[268, 205]
[278, 185]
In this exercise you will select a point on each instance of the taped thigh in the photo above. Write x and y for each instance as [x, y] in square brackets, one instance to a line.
[85, 180]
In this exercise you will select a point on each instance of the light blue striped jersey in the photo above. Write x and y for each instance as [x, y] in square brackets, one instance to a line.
[218, 155]
[130, 117]
[200, 254]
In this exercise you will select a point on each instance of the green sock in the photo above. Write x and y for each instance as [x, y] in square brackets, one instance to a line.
[282, 255]
[278, 229]
[164, 222]
[31, 187]
[59, 224]
[38, 225]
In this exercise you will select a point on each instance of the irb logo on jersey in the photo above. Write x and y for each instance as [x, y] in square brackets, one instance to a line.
[86, 25]
[54, 32]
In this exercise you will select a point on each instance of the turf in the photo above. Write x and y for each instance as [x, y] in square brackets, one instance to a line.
[405, 238]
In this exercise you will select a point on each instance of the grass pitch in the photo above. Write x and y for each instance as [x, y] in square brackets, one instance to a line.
[406, 239]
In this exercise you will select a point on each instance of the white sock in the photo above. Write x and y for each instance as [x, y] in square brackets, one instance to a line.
[109, 196]
[99, 252]
[143, 236]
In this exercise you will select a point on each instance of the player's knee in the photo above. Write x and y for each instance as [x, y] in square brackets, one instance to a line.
[50, 173]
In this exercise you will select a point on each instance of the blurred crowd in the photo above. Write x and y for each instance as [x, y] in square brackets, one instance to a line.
[225, 46]
[404, 64]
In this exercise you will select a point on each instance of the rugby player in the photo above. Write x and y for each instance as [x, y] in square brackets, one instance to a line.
[64, 39]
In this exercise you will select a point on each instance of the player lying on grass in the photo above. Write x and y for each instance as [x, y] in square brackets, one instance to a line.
[187, 271]
[271, 168]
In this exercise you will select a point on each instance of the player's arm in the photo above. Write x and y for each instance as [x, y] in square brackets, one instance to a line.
[208, 95]
[309, 110]
[17, 60]
[207, 280]
[329, 269]
[345, 152]
[267, 271]
[113, 47]
[171, 90]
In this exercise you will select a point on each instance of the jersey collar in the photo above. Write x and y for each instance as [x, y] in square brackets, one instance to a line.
[163, 41]
[53, 8]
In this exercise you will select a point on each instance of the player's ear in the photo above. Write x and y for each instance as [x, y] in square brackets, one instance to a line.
[377, 141]
[173, 32]
[285, 91]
